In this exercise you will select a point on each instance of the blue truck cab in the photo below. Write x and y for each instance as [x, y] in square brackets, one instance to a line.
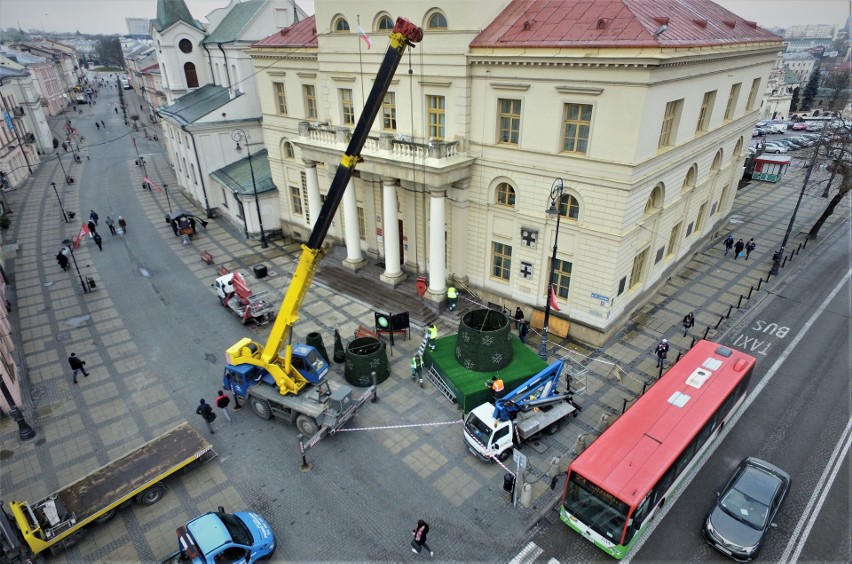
[219, 537]
[306, 360]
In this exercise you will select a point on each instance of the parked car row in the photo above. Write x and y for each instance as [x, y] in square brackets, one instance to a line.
[785, 144]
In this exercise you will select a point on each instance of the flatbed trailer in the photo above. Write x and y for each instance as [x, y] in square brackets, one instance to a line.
[58, 520]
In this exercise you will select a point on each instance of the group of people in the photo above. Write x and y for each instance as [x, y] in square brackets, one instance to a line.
[739, 246]
[205, 410]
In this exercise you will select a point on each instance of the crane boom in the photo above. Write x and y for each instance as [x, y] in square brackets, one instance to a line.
[246, 351]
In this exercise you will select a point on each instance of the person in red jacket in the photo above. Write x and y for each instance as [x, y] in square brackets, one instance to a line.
[222, 402]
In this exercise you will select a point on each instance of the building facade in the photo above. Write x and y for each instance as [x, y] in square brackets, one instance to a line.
[642, 113]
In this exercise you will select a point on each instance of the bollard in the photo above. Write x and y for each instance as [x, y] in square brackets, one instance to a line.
[740, 301]
[603, 423]
[750, 290]
[375, 398]
[580, 445]
[692, 344]
[805, 244]
[799, 248]
[783, 263]
[624, 406]
[706, 331]
[679, 354]
[644, 385]
[721, 319]
[526, 495]
[553, 469]
[728, 315]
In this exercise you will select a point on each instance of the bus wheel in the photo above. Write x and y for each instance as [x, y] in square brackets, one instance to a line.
[152, 495]
[261, 408]
[307, 426]
[106, 517]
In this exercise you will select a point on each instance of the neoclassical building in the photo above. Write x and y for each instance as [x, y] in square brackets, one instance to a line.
[641, 111]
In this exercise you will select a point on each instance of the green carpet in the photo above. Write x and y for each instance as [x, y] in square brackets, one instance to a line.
[469, 386]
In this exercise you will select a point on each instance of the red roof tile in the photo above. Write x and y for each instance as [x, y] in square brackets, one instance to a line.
[301, 34]
[618, 23]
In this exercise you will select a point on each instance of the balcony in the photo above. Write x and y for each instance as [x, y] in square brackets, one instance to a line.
[394, 147]
[18, 112]
[29, 138]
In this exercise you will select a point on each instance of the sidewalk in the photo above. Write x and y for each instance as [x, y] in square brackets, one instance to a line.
[80, 430]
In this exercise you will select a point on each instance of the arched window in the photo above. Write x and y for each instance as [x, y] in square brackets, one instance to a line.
[655, 201]
[689, 180]
[717, 161]
[569, 207]
[185, 45]
[738, 148]
[505, 195]
[191, 77]
[385, 23]
[340, 25]
[288, 151]
[436, 21]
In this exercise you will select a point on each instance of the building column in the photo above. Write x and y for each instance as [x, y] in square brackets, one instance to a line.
[437, 249]
[352, 234]
[390, 232]
[314, 200]
[459, 232]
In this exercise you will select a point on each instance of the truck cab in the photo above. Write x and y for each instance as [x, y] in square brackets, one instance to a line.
[484, 435]
[219, 537]
[306, 360]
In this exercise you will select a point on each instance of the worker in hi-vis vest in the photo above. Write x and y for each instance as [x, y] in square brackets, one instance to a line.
[452, 298]
[432, 335]
[417, 369]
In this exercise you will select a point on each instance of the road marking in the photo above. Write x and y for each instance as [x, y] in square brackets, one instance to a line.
[808, 516]
[527, 554]
[670, 502]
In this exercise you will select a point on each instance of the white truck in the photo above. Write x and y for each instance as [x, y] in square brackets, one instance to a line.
[234, 294]
[538, 405]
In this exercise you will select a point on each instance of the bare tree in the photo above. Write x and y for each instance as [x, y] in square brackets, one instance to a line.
[835, 149]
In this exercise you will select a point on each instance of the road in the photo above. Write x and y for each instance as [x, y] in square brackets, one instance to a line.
[797, 416]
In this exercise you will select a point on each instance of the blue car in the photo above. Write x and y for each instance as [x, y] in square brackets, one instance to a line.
[218, 537]
[746, 509]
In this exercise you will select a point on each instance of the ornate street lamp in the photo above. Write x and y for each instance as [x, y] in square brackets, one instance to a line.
[555, 203]
[236, 136]
[65, 174]
[64, 215]
[25, 432]
[69, 244]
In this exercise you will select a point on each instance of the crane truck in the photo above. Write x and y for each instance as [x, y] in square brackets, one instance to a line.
[294, 386]
[58, 520]
[538, 405]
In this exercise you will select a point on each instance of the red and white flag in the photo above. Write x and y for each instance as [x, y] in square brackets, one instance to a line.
[363, 35]
[84, 230]
[553, 304]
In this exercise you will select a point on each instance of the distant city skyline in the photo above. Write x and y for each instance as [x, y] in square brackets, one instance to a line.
[64, 16]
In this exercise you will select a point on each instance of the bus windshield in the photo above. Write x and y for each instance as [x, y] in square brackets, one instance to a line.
[596, 508]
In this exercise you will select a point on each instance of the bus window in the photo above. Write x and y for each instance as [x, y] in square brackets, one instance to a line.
[601, 510]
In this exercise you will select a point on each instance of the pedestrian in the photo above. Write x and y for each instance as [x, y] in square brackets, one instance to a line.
[750, 247]
[98, 126]
[417, 368]
[103, 124]
[729, 244]
[99, 241]
[92, 228]
[222, 402]
[738, 249]
[116, 110]
[62, 260]
[662, 351]
[87, 154]
[65, 147]
[122, 224]
[111, 224]
[93, 216]
[431, 336]
[206, 413]
[523, 331]
[519, 318]
[418, 543]
[497, 387]
[688, 323]
[452, 298]
[77, 365]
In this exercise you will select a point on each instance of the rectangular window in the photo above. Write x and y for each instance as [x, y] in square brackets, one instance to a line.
[509, 121]
[310, 101]
[437, 108]
[280, 98]
[576, 122]
[296, 198]
[347, 107]
[362, 224]
[501, 260]
[673, 238]
[752, 96]
[561, 277]
[637, 274]
[732, 102]
[389, 112]
[706, 110]
[224, 198]
[668, 131]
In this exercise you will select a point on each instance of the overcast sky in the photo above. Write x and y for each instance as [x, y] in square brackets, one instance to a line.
[107, 16]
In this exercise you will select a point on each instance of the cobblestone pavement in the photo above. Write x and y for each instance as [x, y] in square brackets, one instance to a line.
[366, 488]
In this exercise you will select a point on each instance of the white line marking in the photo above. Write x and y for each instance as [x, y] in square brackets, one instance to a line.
[736, 417]
[527, 554]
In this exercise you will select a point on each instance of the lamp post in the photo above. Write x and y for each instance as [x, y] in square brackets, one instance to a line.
[69, 244]
[168, 201]
[65, 174]
[555, 203]
[236, 135]
[64, 215]
[25, 432]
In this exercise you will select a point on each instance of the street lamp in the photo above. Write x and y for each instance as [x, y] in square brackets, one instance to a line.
[69, 244]
[65, 174]
[168, 201]
[555, 203]
[25, 432]
[64, 216]
[236, 135]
